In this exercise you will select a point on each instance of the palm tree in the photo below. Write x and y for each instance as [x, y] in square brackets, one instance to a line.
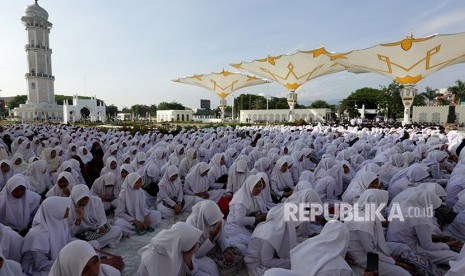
[430, 94]
[458, 90]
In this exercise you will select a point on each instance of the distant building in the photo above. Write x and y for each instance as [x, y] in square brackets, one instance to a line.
[205, 104]
[75, 112]
[282, 115]
[175, 115]
[437, 114]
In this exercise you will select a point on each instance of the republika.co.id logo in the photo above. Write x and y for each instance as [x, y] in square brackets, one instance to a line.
[348, 212]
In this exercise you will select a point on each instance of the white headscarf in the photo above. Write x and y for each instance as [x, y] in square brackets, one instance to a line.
[216, 169]
[238, 172]
[323, 252]
[9, 267]
[56, 190]
[280, 233]
[85, 158]
[5, 176]
[424, 199]
[49, 232]
[52, 163]
[106, 180]
[94, 214]
[37, 176]
[135, 199]
[163, 255]
[72, 259]
[17, 212]
[194, 181]
[205, 214]
[22, 166]
[372, 228]
[245, 198]
[173, 188]
[284, 180]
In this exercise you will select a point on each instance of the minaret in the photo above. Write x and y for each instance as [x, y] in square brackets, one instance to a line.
[39, 78]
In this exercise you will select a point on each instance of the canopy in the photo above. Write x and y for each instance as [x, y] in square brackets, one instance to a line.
[223, 83]
[407, 61]
[292, 70]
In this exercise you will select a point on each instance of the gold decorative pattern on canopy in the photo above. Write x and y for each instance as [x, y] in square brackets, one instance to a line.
[407, 61]
[222, 83]
[292, 70]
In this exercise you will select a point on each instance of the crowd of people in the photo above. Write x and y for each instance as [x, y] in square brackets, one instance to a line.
[66, 192]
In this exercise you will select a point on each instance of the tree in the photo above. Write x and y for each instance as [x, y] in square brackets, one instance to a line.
[16, 101]
[419, 100]
[111, 110]
[126, 110]
[319, 104]
[458, 90]
[370, 97]
[170, 106]
[430, 94]
[392, 101]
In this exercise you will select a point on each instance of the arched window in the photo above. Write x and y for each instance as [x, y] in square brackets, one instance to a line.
[33, 85]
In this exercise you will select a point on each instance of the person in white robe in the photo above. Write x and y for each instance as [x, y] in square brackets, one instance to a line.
[207, 217]
[171, 252]
[218, 170]
[18, 204]
[200, 186]
[187, 163]
[6, 172]
[266, 191]
[48, 235]
[246, 210]
[138, 162]
[457, 268]
[306, 196]
[132, 214]
[271, 243]
[111, 165]
[171, 199]
[79, 258]
[237, 174]
[87, 214]
[25, 150]
[282, 184]
[366, 180]
[10, 243]
[38, 177]
[408, 177]
[416, 231]
[390, 168]
[18, 162]
[124, 170]
[53, 161]
[9, 267]
[312, 256]
[84, 154]
[103, 187]
[63, 186]
[368, 236]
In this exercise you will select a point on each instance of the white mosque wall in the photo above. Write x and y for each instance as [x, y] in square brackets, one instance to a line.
[282, 115]
[436, 114]
[174, 115]
[72, 113]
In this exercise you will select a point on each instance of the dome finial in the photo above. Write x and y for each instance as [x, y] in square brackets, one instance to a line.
[36, 2]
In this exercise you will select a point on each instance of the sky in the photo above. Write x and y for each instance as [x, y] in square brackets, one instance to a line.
[128, 52]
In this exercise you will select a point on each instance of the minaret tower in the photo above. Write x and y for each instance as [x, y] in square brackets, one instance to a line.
[39, 78]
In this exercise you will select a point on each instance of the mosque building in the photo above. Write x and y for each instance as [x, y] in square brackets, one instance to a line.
[40, 104]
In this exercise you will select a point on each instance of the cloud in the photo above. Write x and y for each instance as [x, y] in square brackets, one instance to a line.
[444, 23]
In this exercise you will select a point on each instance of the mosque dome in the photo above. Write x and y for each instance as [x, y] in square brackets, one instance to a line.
[35, 10]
